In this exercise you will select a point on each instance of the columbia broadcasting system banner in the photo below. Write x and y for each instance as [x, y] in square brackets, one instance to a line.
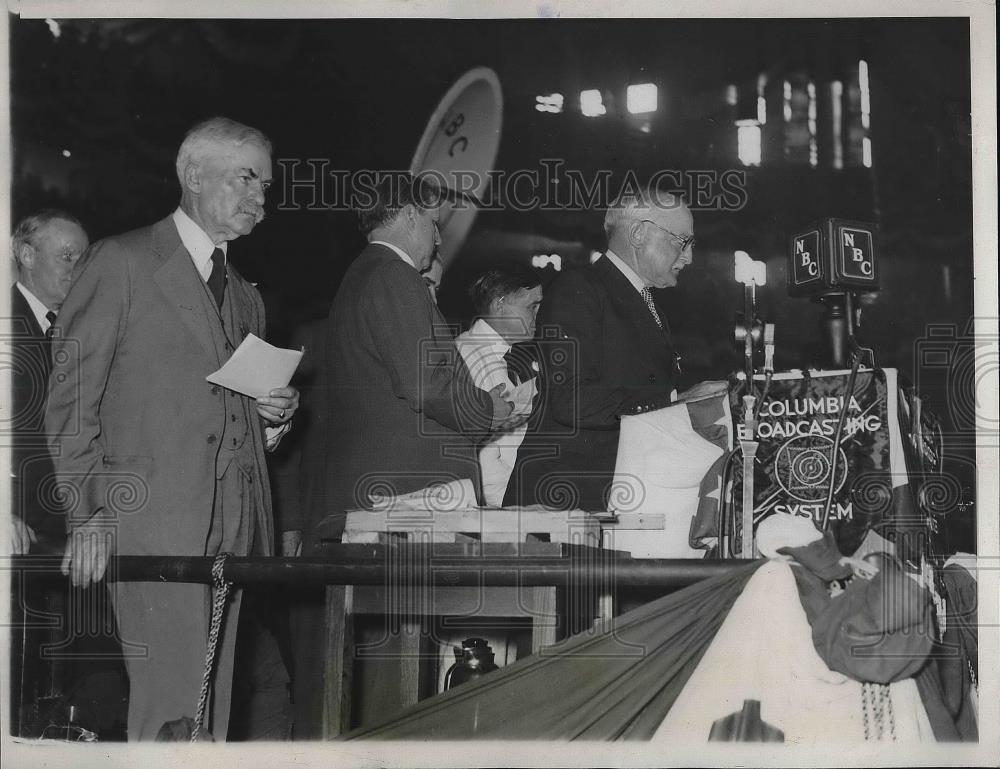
[796, 432]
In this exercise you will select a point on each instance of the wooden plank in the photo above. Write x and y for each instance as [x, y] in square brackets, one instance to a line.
[637, 521]
[562, 524]
[409, 662]
[338, 674]
[543, 626]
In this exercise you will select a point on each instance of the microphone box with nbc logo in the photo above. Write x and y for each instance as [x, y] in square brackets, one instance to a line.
[831, 255]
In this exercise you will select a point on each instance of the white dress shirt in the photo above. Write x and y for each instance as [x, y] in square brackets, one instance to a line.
[399, 252]
[197, 243]
[483, 350]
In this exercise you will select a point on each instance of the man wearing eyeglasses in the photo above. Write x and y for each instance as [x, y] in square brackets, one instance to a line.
[618, 356]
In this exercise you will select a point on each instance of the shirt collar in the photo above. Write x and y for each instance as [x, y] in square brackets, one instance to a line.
[39, 310]
[399, 252]
[633, 277]
[197, 243]
[483, 333]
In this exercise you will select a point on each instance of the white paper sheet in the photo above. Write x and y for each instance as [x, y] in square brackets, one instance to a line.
[521, 397]
[257, 367]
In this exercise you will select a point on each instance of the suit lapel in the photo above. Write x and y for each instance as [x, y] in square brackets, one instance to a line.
[631, 305]
[181, 284]
[20, 309]
[237, 304]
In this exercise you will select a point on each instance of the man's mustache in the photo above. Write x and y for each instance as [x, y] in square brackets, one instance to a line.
[257, 212]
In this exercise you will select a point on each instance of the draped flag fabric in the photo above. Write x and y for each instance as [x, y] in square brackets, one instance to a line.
[617, 682]
[667, 465]
[729, 658]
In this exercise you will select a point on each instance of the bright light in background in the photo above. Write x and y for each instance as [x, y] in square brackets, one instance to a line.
[813, 149]
[67, 153]
[732, 96]
[591, 103]
[748, 141]
[553, 102]
[836, 116]
[641, 98]
[866, 152]
[747, 271]
[866, 101]
[54, 28]
[786, 95]
[539, 261]
[761, 99]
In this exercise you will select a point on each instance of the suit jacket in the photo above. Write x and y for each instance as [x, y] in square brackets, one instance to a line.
[602, 356]
[135, 427]
[398, 409]
[31, 465]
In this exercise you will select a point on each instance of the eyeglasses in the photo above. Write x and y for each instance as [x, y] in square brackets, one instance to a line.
[684, 243]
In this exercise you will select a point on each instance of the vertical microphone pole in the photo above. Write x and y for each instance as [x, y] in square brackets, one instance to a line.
[748, 445]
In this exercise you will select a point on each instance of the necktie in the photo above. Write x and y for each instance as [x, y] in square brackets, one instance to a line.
[217, 280]
[51, 318]
[647, 296]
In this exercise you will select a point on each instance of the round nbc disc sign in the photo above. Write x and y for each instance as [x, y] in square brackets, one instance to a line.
[458, 148]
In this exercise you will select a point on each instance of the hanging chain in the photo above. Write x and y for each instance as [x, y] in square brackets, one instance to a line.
[221, 588]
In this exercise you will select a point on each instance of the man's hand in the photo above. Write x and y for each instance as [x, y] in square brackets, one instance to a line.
[861, 568]
[291, 544]
[88, 550]
[21, 536]
[502, 410]
[703, 390]
[279, 405]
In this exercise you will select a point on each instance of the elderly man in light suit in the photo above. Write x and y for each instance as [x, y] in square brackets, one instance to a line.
[157, 460]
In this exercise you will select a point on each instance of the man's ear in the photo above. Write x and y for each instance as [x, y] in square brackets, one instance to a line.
[192, 177]
[635, 232]
[410, 212]
[25, 255]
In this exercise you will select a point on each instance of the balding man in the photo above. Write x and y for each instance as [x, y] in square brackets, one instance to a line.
[160, 461]
[45, 247]
[618, 355]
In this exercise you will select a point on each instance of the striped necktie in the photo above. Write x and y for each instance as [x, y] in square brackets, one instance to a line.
[647, 296]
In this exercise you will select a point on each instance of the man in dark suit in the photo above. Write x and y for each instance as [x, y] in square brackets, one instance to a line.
[45, 247]
[611, 354]
[398, 409]
[160, 461]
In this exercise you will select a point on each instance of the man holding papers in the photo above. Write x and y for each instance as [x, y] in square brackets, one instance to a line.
[506, 301]
[154, 459]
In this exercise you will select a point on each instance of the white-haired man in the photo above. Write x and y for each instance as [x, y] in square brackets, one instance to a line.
[160, 461]
[619, 357]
